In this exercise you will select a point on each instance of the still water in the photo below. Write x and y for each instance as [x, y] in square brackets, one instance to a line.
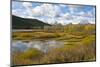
[42, 45]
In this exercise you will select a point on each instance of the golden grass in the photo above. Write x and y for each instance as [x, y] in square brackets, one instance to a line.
[78, 46]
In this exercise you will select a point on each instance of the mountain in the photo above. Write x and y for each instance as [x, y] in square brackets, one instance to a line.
[26, 23]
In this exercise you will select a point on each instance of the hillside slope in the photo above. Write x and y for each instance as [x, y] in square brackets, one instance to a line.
[25, 23]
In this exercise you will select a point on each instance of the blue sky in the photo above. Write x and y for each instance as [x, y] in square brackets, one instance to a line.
[51, 13]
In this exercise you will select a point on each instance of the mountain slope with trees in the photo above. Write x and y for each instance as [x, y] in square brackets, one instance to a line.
[26, 23]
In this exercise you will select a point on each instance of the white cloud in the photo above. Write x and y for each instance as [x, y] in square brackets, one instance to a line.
[51, 13]
[81, 13]
[73, 8]
[14, 12]
[68, 16]
[47, 10]
[27, 4]
[18, 12]
[28, 7]
[90, 14]
[37, 11]
[62, 5]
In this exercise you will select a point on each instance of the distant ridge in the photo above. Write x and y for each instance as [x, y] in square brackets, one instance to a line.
[26, 23]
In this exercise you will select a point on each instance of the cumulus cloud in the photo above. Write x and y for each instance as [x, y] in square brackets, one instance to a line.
[62, 5]
[73, 8]
[28, 7]
[67, 16]
[51, 13]
[19, 13]
[48, 10]
[27, 4]
[86, 14]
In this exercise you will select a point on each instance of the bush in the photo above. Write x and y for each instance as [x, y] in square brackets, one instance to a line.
[27, 57]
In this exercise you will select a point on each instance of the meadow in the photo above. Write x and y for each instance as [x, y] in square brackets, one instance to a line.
[79, 45]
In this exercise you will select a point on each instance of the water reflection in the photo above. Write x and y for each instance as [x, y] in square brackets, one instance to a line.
[42, 45]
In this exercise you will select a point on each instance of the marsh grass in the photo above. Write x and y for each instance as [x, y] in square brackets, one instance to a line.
[79, 45]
